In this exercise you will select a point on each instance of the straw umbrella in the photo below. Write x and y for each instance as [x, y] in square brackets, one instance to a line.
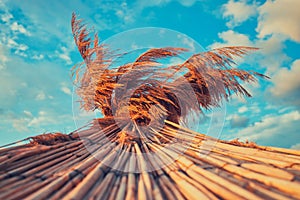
[140, 149]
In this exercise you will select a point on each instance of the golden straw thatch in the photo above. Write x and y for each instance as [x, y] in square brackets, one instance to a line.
[84, 165]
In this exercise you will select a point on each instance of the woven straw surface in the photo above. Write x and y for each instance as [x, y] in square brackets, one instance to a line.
[57, 166]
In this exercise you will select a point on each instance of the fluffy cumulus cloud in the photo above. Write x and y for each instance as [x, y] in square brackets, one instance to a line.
[239, 121]
[276, 130]
[238, 11]
[270, 56]
[287, 84]
[232, 38]
[280, 17]
[277, 21]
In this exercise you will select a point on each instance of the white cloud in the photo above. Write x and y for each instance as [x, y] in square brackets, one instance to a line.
[15, 26]
[21, 83]
[232, 38]
[20, 124]
[242, 109]
[46, 27]
[279, 17]
[287, 84]
[66, 58]
[19, 49]
[3, 57]
[42, 112]
[11, 42]
[6, 17]
[22, 47]
[187, 42]
[287, 80]
[255, 109]
[38, 57]
[125, 14]
[296, 146]
[48, 22]
[40, 96]
[27, 113]
[278, 130]
[176, 61]
[21, 53]
[42, 119]
[269, 56]
[238, 11]
[277, 21]
[26, 122]
[66, 90]
[64, 54]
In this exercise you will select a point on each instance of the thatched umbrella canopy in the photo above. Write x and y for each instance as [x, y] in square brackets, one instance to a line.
[83, 165]
[140, 149]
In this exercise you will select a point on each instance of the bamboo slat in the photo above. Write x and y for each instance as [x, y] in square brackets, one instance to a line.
[269, 170]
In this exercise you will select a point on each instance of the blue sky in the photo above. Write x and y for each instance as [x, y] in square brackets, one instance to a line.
[37, 52]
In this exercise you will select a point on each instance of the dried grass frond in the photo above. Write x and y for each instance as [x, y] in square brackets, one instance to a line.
[156, 53]
[113, 92]
[247, 143]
